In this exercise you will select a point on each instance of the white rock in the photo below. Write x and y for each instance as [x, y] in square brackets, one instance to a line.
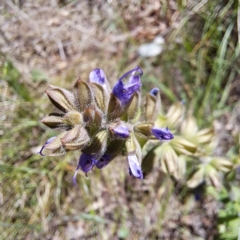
[152, 49]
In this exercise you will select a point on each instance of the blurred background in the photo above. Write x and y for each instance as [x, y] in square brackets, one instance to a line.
[187, 48]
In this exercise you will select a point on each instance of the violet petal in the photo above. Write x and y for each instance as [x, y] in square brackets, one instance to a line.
[154, 92]
[162, 133]
[134, 167]
[101, 163]
[137, 71]
[97, 76]
[135, 76]
[125, 91]
[121, 131]
[86, 163]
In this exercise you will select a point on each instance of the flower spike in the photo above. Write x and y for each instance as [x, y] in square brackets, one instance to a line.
[103, 124]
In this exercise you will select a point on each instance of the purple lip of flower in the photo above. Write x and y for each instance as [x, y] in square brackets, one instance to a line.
[136, 72]
[97, 76]
[162, 134]
[121, 131]
[124, 92]
[101, 163]
[134, 167]
[86, 163]
[154, 92]
[47, 142]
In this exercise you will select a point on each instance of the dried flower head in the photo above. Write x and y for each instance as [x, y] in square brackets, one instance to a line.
[103, 123]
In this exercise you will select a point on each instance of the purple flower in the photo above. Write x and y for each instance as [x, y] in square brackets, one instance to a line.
[98, 76]
[136, 72]
[47, 142]
[124, 92]
[86, 163]
[103, 161]
[134, 167]
[121, 131]
[154, 92]
[162, 133]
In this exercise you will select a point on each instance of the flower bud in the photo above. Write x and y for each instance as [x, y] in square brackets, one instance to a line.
[92, 116]
[101, 96]
[52, 121]
[115, 108]
[162, 133]
[98, 144]
[83, 94]
[133, 109]
[61, 98]
[53, 147]
[143, 130]
[73, 118]
[47, 142]
[76, 138]
[134, 166]
[114, 148]
[152, 104]
[148, 161]
[98, 76]
[119, 130]
[131, 145]
[134, 156]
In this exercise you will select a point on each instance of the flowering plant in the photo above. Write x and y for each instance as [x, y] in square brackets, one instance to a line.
[103, 123]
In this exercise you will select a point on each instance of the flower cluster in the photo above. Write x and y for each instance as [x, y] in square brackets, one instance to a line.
[103, 123]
